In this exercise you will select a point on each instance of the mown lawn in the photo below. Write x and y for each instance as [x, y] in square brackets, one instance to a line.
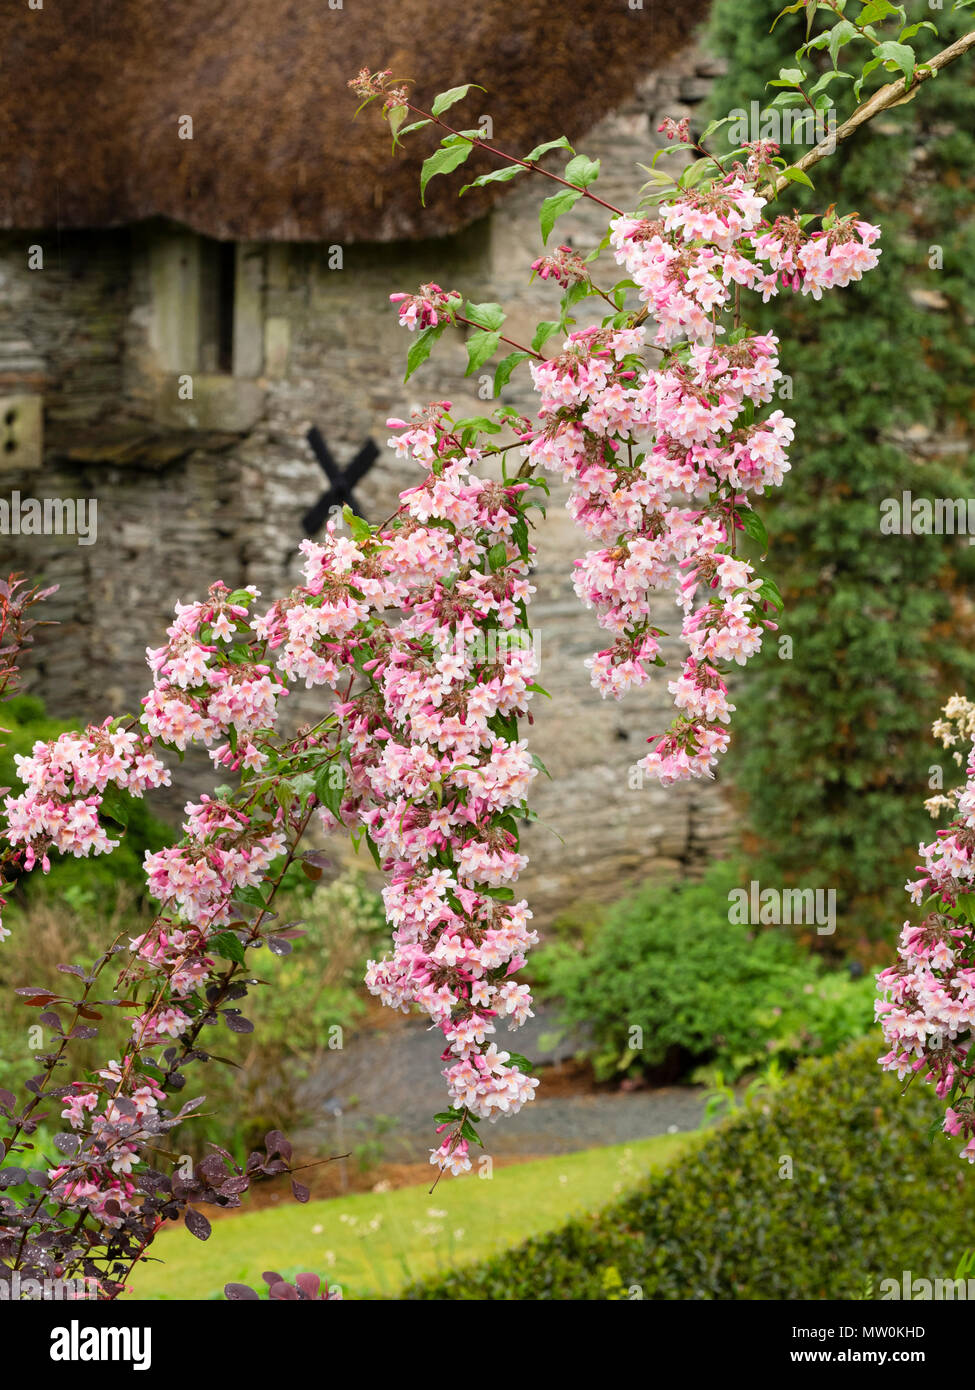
[374, 1243]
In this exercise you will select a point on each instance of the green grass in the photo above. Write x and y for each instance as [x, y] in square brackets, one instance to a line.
[374, 1243]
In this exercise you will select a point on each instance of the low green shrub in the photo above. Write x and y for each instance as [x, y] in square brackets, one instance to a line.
[819, 1191]
[697, 986]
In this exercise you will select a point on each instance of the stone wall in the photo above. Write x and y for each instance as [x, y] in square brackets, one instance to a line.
[191, 490]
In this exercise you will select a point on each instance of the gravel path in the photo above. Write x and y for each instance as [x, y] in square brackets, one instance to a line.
[396, 1074]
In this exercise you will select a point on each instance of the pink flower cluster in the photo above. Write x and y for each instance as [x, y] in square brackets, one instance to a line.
[436, 776]
[927, 1001]
[201, 694]
[205, 688]
[661, 460]
[107, 1190]
[428, 308]
[224, 851]
[563, 265]
[66, 782]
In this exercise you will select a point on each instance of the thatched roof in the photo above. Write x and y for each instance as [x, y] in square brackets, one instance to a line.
[91, 92]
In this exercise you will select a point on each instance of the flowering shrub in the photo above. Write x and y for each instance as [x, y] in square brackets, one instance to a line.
[927, 1000]
[16, 600]
[419, 629]
[663, 459]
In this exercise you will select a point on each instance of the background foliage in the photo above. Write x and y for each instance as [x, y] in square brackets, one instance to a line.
[700, 988]
[832, 750]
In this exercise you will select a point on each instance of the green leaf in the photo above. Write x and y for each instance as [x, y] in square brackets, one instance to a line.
[576, 293]
[329, 784]
[913, 29]
[796, 175]
[115, 806]
[519, 1062]
[251, 894]
[560, 144]
[452, 153]
[469, 1133]
[899, 54]
[665, 149]
[358, 525]
[769, 591]
[712, 126]
[505, 367]
[543, 332]
[396, 118]
[421, 348]
[695, 173]
[789, 9]
[498, 556]
[755, 527]
[449, 98]
[582, 171]
[415, 125]
[788, 77]
[480, 346]
[373, 850]
[473, 425]
[478, 423]
[964, 909]
[785, 100]
[657, 177]
[553, 208]
[489, 316]
[829, 77]
[839, 35]
[877, 10]
[226, 944]
[496, 176]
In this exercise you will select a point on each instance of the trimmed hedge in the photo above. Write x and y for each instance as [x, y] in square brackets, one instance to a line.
[870, 1196]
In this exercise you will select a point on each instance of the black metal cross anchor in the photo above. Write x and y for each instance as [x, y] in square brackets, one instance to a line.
[342, 481]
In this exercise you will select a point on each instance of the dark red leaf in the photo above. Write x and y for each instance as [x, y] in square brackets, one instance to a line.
[197, 1224]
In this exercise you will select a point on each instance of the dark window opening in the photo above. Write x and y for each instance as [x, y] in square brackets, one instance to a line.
[218, 276]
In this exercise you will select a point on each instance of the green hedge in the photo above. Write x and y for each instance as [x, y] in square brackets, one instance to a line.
[870, 1196]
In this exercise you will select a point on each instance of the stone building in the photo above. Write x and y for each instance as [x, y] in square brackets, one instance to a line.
[196, 254]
